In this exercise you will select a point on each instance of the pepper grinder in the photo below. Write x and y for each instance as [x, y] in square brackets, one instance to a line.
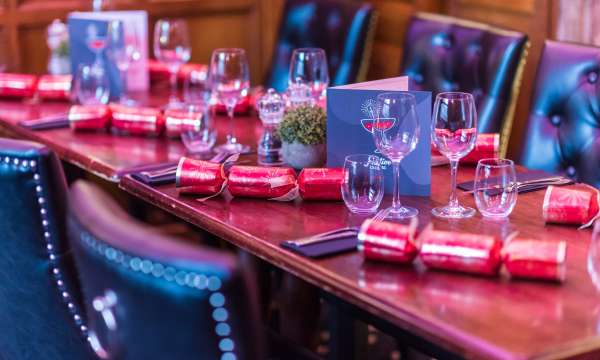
[271, 107]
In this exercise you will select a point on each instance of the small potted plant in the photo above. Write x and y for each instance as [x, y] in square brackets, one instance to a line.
[303, 133]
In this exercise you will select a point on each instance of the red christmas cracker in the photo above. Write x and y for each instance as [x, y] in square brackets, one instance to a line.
[275, 183]
[534, 259]
[179, 121]
[137, 121]
[471, 253]
[200, 177]
[17, 85]
[89, 117]
[486, 146]
[321, 183]
[54, 87]
[575, 205]
[387, 241]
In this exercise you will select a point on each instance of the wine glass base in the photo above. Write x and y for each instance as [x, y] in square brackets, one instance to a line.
[453, 212]
[400, 213]
[232, 148]
[125, 101]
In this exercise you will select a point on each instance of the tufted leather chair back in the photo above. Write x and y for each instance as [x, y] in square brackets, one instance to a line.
[443, 53]
[563, 129]
[38, 303]
[148, 296]
[343, 29]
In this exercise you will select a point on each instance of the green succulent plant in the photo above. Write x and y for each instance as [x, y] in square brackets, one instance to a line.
[306, 125]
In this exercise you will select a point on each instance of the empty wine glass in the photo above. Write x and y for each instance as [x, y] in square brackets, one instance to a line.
[123, 49]
[172, 48]
[91, 85]
[454, 132]
[396, 134]
[230, 80]
[197, 90]
[593, 264]
[495, 187]
[310, 66]
[362, 186]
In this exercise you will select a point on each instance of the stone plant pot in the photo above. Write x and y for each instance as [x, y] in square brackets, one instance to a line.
[300, 156]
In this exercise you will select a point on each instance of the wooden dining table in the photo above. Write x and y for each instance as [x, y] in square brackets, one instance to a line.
[450, 315]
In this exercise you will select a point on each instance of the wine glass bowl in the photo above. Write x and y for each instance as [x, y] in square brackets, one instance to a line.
[123, 50]
[396, 131]
[230, 81]
[172, 48]
[310, 66]
[454, 133]
[91, 84]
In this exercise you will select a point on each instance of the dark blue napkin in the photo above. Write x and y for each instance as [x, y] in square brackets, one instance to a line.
[45, 123]
[145, 174]
[323, 248]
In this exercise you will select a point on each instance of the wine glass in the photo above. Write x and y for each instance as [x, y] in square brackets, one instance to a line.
[123, 50]
[230, 79]
[310, 66]
[593, 264]
[396, 134]
[172, 48]
[202, 135]
[91, 85]
[362, 187]
[454, 132]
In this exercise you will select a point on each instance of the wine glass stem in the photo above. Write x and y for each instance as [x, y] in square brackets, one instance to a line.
[453, 172]
[396, 199]
[173, 80]
[230, 113]
[123, 85]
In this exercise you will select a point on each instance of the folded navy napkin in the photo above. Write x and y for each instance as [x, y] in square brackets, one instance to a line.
[45, 123]
[154, 176]
[521, 177]
[323, 248]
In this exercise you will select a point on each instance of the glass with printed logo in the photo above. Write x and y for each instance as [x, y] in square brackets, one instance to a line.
[396, 132]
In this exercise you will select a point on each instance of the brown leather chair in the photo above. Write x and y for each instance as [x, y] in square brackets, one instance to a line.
[563, 129]
[148, 296]
[443, 53]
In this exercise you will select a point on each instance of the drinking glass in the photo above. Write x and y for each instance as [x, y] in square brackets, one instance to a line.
[454, 132]
[123, 49]
[396, 134]
[172, 48]
[495, 187]
[202, 137]
[310, 66]
[230, 80]
[362, 187]
[593, 264]
[91, 85]
[197, 90]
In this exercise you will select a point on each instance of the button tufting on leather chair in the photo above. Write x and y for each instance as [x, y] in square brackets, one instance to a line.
[566, 84]
[148, 296]
[39, 300]
[345, 30]
[443, 53]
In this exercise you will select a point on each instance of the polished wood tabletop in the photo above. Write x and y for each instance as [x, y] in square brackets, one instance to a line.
[104, 154]
[471, 316]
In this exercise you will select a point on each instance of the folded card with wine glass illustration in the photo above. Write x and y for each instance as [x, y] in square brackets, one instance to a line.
[89, 44]
[352, 111]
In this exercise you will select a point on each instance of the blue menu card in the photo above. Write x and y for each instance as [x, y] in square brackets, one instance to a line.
[349, 126]
[85, 35]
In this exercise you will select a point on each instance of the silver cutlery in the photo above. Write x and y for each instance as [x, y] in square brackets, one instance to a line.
[554, 180]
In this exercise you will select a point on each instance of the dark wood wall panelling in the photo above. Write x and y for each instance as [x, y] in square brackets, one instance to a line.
[253, 24]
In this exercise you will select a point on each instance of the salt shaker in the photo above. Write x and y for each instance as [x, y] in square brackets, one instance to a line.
[271, 107]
